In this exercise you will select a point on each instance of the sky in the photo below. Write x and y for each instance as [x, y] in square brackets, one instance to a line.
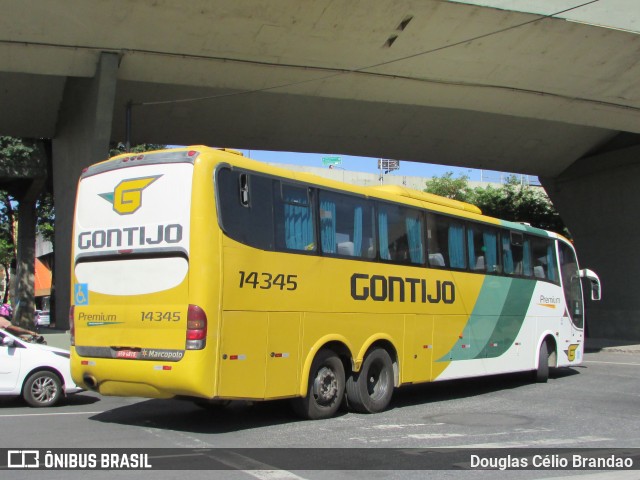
[370, 165]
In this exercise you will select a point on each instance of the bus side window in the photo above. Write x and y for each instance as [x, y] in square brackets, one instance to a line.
[516, 254]
[527, 269]
[434, 249]
[482, 247]
[508, 263]
[346, 225]
[414, 224]
[446, 242]
[295, 229]
[544, 259]
[475, 248]
[400, 234]
[245, 207]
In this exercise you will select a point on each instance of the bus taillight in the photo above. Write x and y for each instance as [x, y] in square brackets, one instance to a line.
[72, 325]
[196, 328]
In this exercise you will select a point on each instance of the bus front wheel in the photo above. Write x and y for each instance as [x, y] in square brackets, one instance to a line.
[370, 390]
[542, 372]
[325, 389]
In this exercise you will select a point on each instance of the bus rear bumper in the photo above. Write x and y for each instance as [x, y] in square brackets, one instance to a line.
[148, 379]
[130, 389]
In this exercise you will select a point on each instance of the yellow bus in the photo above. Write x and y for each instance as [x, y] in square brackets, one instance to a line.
[201, 274]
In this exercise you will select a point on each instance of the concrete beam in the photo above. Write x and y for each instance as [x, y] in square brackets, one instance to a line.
[82, 138]
[597, 198]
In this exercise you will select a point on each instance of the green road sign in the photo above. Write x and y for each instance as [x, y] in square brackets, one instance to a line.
[331, 161]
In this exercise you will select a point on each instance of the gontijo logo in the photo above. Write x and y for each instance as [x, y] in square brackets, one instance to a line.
[126, 198]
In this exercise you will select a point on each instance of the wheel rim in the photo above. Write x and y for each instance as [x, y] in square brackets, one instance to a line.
[377, 380]
[325, 386]
[44, 390]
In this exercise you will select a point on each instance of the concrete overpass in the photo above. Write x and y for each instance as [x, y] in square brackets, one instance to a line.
[424, 80]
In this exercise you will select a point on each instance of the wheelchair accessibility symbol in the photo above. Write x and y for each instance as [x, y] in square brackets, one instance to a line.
[81, 294]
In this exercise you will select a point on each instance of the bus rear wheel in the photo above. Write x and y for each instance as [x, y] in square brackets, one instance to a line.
[325, 390]
[370, 390]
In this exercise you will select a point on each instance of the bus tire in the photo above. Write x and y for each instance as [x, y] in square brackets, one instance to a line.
[370, 389]
[542, 372]
[325, 390]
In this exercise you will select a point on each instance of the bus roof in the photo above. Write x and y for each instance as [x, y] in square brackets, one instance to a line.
[428, 197]
[400, 194]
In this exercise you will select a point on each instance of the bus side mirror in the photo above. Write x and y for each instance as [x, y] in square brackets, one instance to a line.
[596, 292]
[8, 342]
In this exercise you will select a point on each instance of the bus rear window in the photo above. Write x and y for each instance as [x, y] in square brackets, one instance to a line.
[137, 276]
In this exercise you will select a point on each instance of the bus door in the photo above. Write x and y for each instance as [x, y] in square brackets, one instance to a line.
[418, 356]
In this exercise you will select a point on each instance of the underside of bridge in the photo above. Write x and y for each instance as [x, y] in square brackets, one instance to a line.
[429, 81]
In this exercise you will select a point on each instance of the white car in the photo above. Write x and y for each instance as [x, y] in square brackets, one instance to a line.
[42, 318]
[39, 373]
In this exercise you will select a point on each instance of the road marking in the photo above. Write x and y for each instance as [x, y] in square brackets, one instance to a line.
[533, 443]
[612, 363]
[179, 439]
[618, 475]
[255, 468]
[242, 463]
[49, 414]
[435, 436]
[401, 426]
[273, 475]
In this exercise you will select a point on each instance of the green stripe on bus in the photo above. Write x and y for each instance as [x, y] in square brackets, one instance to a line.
[511, 318]
[496, 319]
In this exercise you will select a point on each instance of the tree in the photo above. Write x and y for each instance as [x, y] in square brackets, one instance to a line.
[512, 201]
[19, 160]
[449, 187]
[15, 156]
[118, 148]
[520, 203]
[7, 240]
[46, 216]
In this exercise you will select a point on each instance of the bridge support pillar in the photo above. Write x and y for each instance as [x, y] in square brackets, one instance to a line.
[25, 262]
[599, 200]
[82, 138]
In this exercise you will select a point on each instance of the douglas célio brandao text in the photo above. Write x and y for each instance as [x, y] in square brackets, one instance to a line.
[578, 461]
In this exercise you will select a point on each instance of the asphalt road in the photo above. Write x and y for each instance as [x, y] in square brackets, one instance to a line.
[593, 406]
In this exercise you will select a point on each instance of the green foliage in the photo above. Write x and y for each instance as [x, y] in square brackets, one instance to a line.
[449, 187]
[7, 229]
[46, 216]
[14, 154]
[7, 239]
[511, 201]
[14, 150]
[120, 148]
